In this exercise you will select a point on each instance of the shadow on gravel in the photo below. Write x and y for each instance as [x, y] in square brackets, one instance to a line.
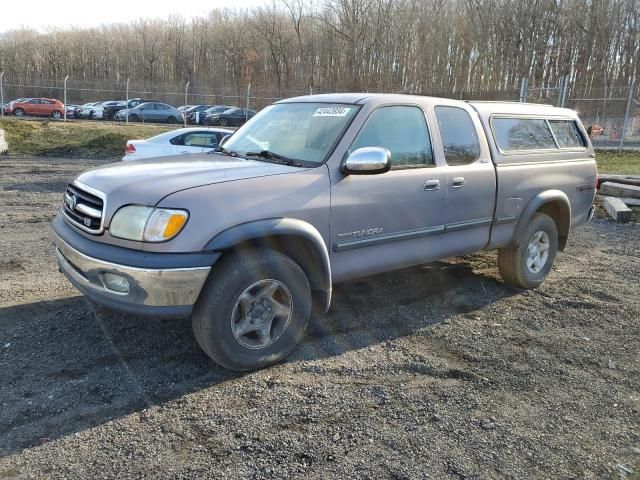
[68, 366]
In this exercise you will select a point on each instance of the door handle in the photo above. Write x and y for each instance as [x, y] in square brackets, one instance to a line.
[457, 182]
[432, 185]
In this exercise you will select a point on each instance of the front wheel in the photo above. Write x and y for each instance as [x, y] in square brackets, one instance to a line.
[528, 263]
[18, 112]
[253, 309]
[224, 122]
[172, 120]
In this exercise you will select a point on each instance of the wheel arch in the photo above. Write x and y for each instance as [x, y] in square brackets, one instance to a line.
[553, 203]
[295, 238]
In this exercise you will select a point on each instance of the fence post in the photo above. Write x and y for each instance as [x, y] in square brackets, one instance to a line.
[186, 94]
[565, 90]
[65, 97]
[524, 85]
[126, 107]
[626, 115]
[1, 95]
[246, 112]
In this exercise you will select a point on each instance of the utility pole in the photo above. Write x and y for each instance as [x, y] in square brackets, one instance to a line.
[186, 94]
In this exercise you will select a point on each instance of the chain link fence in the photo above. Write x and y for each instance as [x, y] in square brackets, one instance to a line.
[611, 114]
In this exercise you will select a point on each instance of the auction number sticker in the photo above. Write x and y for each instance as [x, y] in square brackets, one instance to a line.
[332, 112]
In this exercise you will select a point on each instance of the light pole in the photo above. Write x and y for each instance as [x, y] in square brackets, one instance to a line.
[65, 97]
[186, 94]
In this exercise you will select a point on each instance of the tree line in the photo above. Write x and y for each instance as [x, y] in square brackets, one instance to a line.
[469, 48]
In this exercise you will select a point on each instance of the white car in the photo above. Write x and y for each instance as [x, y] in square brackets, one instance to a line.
[176, 142]
[95, 111]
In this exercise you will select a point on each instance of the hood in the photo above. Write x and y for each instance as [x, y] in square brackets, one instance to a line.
[148, 181]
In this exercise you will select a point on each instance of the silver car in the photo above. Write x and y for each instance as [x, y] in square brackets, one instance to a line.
[153, 112]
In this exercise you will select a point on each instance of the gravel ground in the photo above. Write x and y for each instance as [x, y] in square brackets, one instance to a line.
[438, 371]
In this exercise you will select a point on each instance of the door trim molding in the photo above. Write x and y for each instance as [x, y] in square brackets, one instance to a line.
[388, 238]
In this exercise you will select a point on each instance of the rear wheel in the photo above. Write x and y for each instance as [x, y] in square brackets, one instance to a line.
[56, 115]
[528, 263]
[18, 112]
[253, 310]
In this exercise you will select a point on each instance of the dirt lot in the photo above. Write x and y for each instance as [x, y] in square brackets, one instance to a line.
[437, 371]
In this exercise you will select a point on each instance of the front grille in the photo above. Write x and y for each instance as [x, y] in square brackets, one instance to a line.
[83, 208]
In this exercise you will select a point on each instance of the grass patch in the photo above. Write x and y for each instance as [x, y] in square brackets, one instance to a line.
[624, 163]
[73, 139]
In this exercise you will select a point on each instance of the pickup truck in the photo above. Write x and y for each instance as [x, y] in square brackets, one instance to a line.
[248, 240]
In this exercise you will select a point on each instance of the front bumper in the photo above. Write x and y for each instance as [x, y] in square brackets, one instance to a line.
[158, 292]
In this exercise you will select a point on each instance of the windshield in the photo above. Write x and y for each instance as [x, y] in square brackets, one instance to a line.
[302, 131]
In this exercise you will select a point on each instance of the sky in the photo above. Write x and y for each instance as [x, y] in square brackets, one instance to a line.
[41, 14]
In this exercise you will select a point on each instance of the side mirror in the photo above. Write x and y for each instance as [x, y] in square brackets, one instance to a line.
[367, 161]
[224, 139]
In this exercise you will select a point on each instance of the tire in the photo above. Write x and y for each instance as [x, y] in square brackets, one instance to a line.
[134, 118]
[18, 112]
[56, 115]
[223, 122]
[172, 119]
[218, 315]
[515, 263]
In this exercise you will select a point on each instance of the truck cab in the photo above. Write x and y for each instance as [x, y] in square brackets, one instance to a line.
[247, 241]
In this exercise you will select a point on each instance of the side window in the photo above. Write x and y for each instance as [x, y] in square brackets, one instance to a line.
[522, 134]
[207, 140]
[459, 136]
[401, 129]
[567, 134]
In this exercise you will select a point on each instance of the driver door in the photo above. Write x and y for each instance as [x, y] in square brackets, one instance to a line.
[393, 219]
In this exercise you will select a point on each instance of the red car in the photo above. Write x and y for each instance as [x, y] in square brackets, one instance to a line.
[37, 107]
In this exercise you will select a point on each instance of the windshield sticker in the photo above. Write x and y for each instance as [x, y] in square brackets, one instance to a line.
[332, 112]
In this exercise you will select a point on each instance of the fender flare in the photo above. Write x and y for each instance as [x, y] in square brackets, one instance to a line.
[259, 229]
[563, 219]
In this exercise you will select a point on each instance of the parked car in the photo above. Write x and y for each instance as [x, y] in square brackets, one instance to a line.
[109, 111]
[37, 107]
[218, 109]
[193, 114]
[176, 142]
[234, 117]
[182, 108]
[71, 110]
[249, 240]
[152, 112]
[6, 106]
[96, 111]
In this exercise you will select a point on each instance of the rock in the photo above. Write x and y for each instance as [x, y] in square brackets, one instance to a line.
[336, 437]
[487, 424]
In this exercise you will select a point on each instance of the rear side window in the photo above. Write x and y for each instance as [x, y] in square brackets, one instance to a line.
[567, 134]
[513, 134]
[459, 136]
[402, 130]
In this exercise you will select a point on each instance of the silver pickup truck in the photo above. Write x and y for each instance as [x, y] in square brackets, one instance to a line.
[249, 239]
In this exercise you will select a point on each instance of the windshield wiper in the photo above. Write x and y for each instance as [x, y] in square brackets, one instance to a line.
[224, 151]
[274, 157]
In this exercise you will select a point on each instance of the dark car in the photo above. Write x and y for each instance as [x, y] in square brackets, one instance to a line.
[234, 117]
[215, 110]
[111, 110]
[196, 112]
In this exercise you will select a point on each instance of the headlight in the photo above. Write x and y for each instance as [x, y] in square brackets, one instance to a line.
[147, 224]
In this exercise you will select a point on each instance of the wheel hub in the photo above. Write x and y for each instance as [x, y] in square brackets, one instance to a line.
[261, 314]
[538, 251]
